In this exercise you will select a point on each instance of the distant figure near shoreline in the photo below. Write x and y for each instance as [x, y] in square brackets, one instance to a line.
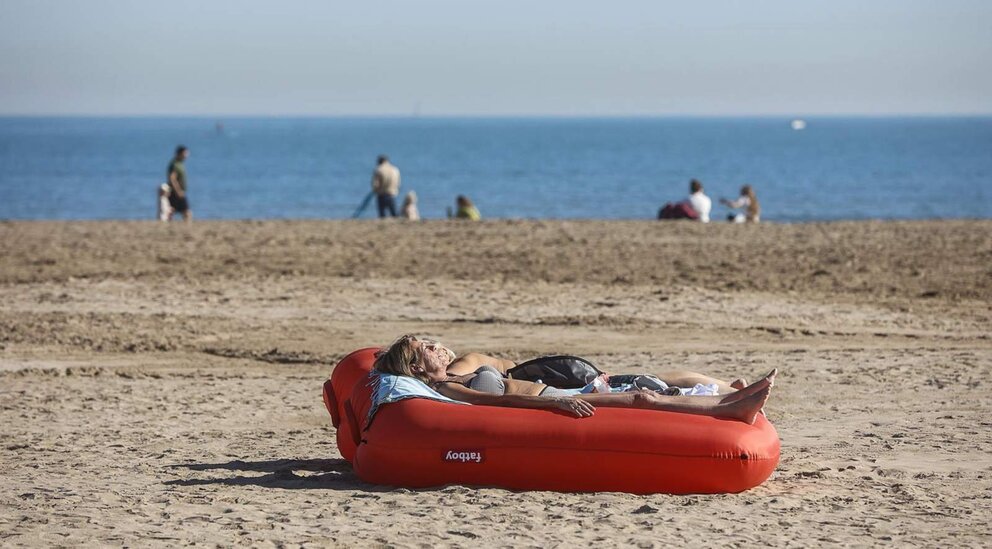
[177, 183]
[699, 201]
[697, 207]
[748, 202]
[386, 185]
[409, 209]
[466, 210]
[164, 208]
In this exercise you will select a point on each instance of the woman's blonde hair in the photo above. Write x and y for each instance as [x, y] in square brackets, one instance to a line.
[400, 357]
[754, 208]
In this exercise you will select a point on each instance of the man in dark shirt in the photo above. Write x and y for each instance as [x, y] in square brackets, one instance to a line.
[177, 183]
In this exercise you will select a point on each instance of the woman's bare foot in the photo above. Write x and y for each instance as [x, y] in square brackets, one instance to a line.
[766, 382]
[739, 383]
[746, 409]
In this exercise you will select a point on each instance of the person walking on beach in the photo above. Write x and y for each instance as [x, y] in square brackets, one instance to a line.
[176, 176]
[699, 201]
[386, 185]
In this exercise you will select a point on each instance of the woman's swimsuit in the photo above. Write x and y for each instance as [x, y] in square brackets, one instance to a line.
[490, 380]
[486, 380]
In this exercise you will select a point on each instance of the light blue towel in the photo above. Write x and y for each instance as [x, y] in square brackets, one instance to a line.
[388, 388]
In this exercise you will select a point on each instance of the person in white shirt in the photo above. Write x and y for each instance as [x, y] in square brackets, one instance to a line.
[699, 201]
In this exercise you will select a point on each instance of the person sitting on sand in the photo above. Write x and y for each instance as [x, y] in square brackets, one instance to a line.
[696, 207]
[466, 210]
[748, 202]
[409, 209]
[699, 201]
[479, 379]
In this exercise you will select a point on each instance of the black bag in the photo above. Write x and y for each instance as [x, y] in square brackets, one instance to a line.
[560, 371]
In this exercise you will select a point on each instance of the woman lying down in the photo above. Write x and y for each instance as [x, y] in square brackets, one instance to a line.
[479, 379]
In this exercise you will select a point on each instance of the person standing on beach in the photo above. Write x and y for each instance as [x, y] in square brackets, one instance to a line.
[386, 185]
[177, 183]
[699, 201]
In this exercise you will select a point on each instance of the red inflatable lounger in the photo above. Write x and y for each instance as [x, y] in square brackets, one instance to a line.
[420, 443]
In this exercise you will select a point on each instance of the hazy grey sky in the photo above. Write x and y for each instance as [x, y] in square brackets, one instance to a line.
[505, 57]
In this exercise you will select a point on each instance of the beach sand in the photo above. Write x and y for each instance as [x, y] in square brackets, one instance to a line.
[160, 384]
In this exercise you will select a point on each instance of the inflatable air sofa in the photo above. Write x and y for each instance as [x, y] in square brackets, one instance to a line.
[418, 443]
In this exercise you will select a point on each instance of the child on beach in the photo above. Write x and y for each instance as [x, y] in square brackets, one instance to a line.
[164, 208]
[409, 209]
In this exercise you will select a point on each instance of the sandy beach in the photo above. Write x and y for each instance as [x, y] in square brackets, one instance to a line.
[160, 384]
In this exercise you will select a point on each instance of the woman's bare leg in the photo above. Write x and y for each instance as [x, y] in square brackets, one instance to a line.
[743, 405]
[767, 381]
[743, 408]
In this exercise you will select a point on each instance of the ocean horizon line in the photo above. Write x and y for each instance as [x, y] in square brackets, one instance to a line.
[456, 116]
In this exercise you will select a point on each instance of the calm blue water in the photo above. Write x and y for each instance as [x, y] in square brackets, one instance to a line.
[837, 168]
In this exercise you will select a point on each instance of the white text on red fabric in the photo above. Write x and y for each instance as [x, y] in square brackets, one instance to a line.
[464, 456]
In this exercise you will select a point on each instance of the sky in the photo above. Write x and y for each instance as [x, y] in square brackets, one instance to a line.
[495, 58]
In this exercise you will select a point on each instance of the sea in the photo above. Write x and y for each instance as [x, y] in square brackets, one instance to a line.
[834, 168]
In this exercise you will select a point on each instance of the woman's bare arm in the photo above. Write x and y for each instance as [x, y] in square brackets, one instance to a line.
[466, 364]
[573, 406]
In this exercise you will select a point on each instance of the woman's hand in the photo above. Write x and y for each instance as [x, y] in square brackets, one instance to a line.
[576, 407]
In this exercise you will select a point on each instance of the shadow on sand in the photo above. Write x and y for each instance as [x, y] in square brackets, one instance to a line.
[333, 474]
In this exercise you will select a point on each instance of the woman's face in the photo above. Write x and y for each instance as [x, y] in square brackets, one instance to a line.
[433, 359]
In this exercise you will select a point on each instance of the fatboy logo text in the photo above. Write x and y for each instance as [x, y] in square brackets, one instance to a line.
[463, 456]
